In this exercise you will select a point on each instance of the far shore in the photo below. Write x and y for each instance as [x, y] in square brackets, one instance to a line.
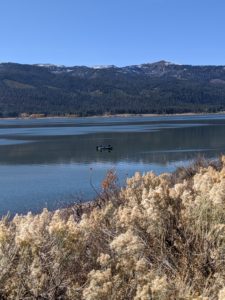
[39, 116]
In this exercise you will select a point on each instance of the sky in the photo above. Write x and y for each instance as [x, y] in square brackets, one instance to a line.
[118, 32]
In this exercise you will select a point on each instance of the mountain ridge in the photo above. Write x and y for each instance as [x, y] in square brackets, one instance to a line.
[160, 87]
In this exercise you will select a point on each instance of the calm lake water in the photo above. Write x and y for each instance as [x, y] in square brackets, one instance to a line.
[50, 162]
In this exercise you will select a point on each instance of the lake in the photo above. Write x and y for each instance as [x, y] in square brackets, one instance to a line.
[53, 162]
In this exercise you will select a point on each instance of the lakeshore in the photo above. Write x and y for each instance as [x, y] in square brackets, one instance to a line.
[37, 116]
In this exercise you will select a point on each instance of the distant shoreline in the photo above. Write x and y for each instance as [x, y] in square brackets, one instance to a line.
[37, 117]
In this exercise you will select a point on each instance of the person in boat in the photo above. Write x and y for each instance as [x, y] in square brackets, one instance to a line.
[101, 147]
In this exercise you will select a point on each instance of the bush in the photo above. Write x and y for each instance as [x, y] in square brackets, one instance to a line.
[160, 237]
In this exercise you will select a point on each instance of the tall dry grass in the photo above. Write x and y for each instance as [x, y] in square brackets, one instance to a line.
[161, 237]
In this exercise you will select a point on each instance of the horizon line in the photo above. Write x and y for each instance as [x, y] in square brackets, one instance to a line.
[96, 66]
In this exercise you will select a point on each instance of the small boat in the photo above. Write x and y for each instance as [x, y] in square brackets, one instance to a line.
[102, 148]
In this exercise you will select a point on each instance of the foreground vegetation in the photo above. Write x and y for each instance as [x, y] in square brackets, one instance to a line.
[160, 237]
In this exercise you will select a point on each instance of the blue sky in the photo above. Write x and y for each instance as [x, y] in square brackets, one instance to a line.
[120, 32]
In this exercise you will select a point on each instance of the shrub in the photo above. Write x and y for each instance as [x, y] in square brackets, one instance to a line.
[160, 237]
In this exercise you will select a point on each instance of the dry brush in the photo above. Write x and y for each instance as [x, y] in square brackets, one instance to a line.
[160, 237]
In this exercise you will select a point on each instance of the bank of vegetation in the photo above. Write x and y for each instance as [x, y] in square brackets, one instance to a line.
[160, 237]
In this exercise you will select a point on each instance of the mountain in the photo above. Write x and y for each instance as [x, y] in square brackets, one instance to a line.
[160, 87]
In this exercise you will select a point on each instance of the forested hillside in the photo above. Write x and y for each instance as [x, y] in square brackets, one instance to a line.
[149, 88]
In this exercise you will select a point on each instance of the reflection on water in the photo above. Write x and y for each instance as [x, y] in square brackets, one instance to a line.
[48, 162]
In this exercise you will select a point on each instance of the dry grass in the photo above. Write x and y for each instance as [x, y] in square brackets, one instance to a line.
[161, 237]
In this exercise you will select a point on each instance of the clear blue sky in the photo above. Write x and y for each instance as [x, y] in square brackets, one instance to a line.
[120, 32]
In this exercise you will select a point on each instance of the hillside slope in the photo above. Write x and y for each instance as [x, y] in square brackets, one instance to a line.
[160, 87]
